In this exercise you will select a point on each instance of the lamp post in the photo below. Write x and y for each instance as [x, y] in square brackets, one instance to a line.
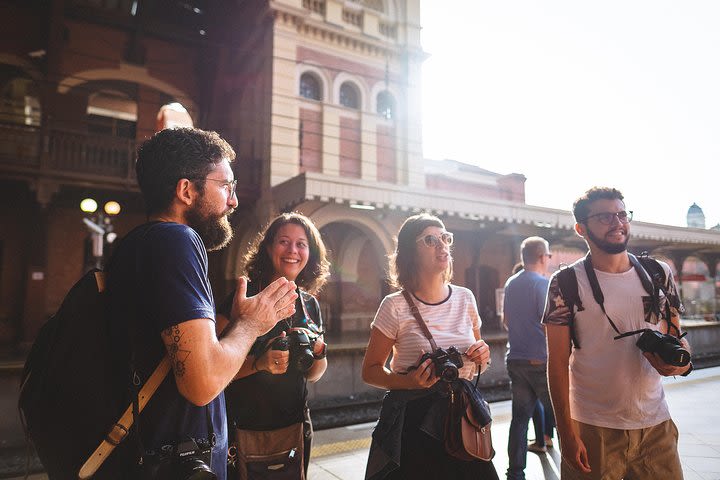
[100, 230]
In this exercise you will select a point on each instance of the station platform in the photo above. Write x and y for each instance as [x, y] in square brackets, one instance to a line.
[341, 453]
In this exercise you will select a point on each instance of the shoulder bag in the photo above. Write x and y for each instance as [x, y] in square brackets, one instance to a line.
[467, 424]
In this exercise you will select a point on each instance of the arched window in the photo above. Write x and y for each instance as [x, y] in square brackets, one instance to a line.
[310, 86]
[349, 95]
[386, 105]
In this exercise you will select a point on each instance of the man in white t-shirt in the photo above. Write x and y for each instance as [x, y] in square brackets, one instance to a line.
[610, 409]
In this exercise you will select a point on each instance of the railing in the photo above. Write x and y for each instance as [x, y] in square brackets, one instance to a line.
[353, 17]
[91, 154]
[19, 145]
[52, 152]
[83, 157]
[388, 30]
[316, 6]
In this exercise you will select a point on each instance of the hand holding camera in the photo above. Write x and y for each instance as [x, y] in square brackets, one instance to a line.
[273, 361]
[299, 343]
[668, 354]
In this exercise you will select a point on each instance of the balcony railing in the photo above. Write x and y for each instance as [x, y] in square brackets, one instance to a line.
[72, 155]
[91, 154]
[81, 158]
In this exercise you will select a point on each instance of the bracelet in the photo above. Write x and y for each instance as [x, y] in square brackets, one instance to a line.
[322, 354]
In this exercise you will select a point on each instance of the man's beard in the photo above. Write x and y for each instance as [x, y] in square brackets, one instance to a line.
[215, 231]
[605, 246]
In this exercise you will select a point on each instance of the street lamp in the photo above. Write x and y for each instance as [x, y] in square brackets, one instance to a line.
[100, 229]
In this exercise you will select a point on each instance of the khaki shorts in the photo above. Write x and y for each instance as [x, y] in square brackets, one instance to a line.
[644, 454]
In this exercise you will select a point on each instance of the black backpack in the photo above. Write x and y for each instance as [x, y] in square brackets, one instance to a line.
[655, 282]
[71, 391]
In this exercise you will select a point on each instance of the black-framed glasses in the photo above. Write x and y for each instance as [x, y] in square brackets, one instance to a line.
[607, 218]
[229, 186]
[432, 241]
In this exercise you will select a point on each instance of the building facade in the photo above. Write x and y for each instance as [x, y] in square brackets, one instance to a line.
[321, 101]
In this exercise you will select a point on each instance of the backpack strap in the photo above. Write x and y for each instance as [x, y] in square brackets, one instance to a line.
[119, 431]
[567, 282]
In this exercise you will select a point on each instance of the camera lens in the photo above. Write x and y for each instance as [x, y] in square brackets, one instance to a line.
[194, 468]
[449, 372]
[304, 359]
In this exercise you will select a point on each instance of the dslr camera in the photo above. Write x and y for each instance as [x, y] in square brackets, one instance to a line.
[667, 346]
[188, 460]
[300, 342]
[446, 362]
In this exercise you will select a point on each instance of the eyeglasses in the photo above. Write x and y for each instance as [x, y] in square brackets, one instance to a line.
[607, 218]
[432, 241]
[229, 186]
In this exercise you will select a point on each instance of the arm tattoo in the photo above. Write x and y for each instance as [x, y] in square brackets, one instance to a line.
[172, 337]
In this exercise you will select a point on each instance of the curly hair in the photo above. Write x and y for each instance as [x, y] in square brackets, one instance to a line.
[403, 272]
[581, 206]
[173, 154]
[259, 267]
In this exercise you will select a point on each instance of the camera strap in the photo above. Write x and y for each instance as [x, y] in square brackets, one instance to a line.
[416, 313]
[600, 298]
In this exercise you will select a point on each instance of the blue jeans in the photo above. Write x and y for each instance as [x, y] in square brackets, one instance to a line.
[528, 385]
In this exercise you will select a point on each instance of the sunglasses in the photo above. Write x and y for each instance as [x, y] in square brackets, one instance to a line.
[432, 241]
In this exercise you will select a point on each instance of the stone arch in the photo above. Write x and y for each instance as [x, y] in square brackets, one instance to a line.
[128, 73]
[375, 93]
[319, 74]
[363, 91]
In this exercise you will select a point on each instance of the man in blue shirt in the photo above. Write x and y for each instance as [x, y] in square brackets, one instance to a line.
[523, 307]
[161, 303]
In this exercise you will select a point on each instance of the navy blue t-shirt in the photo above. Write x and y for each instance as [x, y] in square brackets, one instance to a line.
[161, 271]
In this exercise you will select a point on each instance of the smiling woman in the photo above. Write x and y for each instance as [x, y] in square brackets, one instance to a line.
[268, 398]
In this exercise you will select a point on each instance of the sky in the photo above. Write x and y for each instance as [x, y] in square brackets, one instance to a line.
[572, 94]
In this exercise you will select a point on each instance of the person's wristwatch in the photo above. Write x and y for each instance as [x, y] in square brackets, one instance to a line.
[322, 354]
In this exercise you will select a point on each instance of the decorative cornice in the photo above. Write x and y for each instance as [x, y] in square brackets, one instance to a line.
[311, 186]
[305, 24]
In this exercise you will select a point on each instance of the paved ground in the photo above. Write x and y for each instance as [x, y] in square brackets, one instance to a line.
[341, 453]
[694, 401]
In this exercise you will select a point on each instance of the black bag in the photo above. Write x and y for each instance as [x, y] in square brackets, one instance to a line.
[71, 392]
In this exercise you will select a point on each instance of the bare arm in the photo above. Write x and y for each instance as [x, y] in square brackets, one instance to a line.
[572, 447]
[203, 364]
[657, 362]
[319, 366]
[376, 374]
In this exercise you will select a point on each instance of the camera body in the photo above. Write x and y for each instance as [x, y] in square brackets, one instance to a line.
[446, 362]
[669, 347]
[187, 460]
[300, 342]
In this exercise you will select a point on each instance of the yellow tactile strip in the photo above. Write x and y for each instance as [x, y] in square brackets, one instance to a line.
[340, 447]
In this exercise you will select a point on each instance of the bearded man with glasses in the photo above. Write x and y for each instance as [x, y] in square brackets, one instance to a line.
[610, 409]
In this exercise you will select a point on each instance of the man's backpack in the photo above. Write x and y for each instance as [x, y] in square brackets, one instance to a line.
[655, 281]
[72, 393]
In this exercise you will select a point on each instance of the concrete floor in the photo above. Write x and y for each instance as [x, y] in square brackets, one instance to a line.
[341, 453]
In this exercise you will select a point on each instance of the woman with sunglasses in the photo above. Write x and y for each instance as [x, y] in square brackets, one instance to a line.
[270, 390]
[408, 440]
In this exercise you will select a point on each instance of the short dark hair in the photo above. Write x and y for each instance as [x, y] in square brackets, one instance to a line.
[173, 154]
[403, 272]
[581, 206]
[259, 267]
